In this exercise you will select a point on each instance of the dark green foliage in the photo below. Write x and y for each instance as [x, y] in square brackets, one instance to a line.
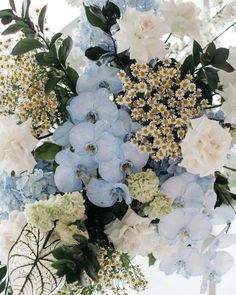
[222, 189]
[72, 262]
[47, 151]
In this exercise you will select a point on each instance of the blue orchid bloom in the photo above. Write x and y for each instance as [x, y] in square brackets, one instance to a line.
[105, 194]
[96, 77]
[93, 142]
[130, 160]
[92, 107]
[123, 127]
[72, 170]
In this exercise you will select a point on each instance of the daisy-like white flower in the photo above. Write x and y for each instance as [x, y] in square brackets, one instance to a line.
[141, 33]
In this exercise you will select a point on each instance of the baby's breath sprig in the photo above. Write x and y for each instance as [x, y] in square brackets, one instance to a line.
[163, 101]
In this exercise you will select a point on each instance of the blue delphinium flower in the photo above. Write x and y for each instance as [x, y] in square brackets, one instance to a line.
[105, 194]
[130, 160]
[94, 143]
[92, 107]
[96, 77]
[16, 191]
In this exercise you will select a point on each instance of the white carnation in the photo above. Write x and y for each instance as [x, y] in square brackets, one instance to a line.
[205, 147]
[140, 32]
[229, 106]
[16, 145]
[183, 18]
[10, 230]
[133, 234]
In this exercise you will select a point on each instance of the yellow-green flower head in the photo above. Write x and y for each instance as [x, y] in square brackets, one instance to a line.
[66, 209]
[160, 206]
[143, 186]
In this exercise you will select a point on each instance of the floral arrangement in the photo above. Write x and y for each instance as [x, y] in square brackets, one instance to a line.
[114, 143]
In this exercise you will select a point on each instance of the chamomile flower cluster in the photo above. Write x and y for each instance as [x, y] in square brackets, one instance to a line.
[22, 84]
[162, 101]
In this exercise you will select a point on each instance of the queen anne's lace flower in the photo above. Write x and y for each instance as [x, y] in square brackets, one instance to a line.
[140, 32]
[205, 147]
[16, 145]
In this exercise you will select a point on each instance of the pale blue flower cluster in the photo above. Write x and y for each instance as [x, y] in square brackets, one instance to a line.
[16, 191]
[97, 153]
[189, 226]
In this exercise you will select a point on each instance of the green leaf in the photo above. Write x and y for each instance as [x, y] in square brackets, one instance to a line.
[80, 239]
[25, 9]
[30, 264]
[197, 50]
[3, 286]
[41, 19]
[55, 38]
[51, 83]
[96, 18]
[12, 29]
[111, 10]
[94, 53]
[212, 77]
[211, 50]
[91, 271]
[65, 49]
[3, 272]
[47, 151]
[225, 66]
[151, 259]
[6, 12]
[6, 20]
[73, 75]
[188, 64]
[26, 45]
[13, 6]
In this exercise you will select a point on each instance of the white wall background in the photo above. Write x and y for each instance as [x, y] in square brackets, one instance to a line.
[59, 15]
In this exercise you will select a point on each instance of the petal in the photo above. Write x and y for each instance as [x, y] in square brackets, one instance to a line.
[174, 187]
[199, 227]
[168, 265]
[67, 180]
[99, 192]
[61, 134]
[125, 192]
[132, 154]
[80, 106]
[67, 158]
[108, 148]
[110, 170]
[222, 263]
[81, 135]
[222, 215]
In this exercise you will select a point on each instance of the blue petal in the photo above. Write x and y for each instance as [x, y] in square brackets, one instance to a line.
[67, 180]
[99, 192]
[108, 148]
[61, 134]
[110, 170]
[67, 158]
[132, 154]
[124, 192]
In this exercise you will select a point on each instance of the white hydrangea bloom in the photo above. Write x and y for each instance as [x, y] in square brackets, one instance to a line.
[16, 145]
[143, 186]
[141, 33]
[205, 147]
[10, 230]
[66, 209]
[183, 18]
[133, 234]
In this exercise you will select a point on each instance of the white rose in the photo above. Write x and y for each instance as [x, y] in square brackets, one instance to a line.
[205, 147]
[16, 145]
[183, 18]
[10, 230]
[140, 32]
[229, 106]
[133, 234]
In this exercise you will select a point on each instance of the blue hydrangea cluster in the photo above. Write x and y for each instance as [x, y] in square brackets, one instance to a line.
[97, 152]
[16, 191]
